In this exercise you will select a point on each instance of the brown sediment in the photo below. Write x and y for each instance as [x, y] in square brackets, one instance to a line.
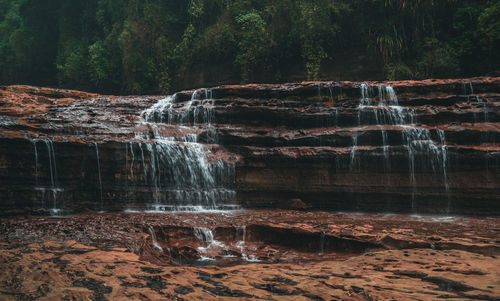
[364, 256]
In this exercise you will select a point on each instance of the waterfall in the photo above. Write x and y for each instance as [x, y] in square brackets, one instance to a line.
[444, 167]
[322, 244]
[426, 153]
[53, 168]
[206, 236]
[331, 91]
[244, 233]
[354, 161]
[156, 112]
[154, 241]
[36, 161]
[386, 150]
[197, 110]
[241, 243]
[184, 173]
[132, 159]
[99, 172]
[145, 174]
[423, 151]
[478, 100]
[54, 190]
[364, 101]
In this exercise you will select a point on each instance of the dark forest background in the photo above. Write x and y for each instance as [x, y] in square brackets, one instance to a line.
[157, 46]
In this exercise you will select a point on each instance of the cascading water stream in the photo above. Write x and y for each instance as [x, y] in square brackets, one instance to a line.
[154, 241]
[143, 164]
[206, 236]
[478, 100]
[132, 159]
[364, 101]
[241, 243]
[53, 189]
[423, 151]
[99, 173]
[36, 161]
[181, 170]
[322, 244]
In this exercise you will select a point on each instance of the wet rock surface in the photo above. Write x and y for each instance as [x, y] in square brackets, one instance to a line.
[312, 145]
[111, 256]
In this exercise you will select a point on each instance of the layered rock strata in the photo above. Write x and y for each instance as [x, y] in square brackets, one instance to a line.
[410, 146]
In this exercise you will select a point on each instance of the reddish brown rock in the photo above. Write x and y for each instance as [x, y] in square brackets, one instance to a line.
[287, 141]
[112, 256]
[295, 204]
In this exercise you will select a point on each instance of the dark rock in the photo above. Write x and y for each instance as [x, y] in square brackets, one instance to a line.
[449, 285]
[183, 290]
[224, 291]
[94, 285]
[278, 289]
[295, 204]
[281, 279]
[153, 282]
[151, 270]
[412, 274]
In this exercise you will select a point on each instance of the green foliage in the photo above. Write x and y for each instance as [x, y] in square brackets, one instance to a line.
[74, 68]
[254, 43]
[184, 50]
[153, 46]
[437, 60]
[196, 8]
[318, 26]
[99, 64]
[398, 71]
[489, 22]
[220, 41]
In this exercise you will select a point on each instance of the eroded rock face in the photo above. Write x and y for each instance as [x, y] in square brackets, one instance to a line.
[300, 255]
[410, 146]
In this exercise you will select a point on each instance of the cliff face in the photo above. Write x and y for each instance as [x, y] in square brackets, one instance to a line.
[411, 146]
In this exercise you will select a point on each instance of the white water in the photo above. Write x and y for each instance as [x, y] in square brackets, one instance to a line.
[179, 170]
[199, 109]
[242, 246]
[322, 243]
[385, 111]
[354, 166]
[167, 209]
[478, 99]
[154, 241]
[36, 162]
[99, 172]
[423, 151]
[54, 190]
[206, 236]
[132, 159]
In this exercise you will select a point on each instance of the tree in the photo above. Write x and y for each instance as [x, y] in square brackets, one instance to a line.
[254, 43]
